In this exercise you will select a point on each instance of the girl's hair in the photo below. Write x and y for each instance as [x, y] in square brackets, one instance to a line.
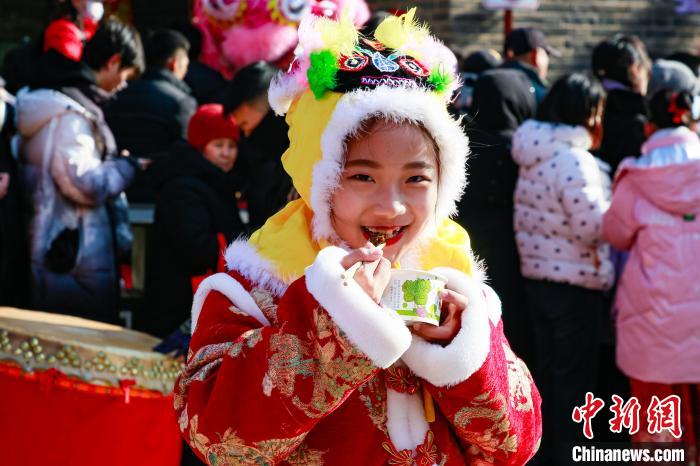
[573, 100]
[670, 109]
[614, 58]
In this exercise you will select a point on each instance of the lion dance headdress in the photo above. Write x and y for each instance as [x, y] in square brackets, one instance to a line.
[237, 33]
[338, 80]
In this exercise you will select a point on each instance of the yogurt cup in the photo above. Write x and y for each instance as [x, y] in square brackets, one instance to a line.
[415, 295]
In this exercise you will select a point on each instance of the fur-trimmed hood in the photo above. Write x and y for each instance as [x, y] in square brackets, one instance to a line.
[396, 81]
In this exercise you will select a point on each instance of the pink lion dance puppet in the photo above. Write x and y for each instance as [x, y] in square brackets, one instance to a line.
[237, 33]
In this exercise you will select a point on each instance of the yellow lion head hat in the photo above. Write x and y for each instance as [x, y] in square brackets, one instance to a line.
[339, 80]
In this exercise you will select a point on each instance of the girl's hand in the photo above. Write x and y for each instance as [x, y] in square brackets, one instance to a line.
[453, 304]
[374, 274]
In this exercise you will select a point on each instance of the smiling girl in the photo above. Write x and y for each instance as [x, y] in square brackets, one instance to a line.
[290, 363]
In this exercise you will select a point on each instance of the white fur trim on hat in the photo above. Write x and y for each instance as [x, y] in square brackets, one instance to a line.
[456, 362]
[377, 332]
[399, 104]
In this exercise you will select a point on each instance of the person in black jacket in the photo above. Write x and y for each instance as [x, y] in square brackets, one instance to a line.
[502, 100]
[195, 217]
[623, 66]
[14, 251]
[527, 50]
[269, 186]
[152, 112]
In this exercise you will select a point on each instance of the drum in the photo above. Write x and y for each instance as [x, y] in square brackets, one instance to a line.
[77, 392]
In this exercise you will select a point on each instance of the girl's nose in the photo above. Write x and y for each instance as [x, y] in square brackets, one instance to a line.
[389, 205]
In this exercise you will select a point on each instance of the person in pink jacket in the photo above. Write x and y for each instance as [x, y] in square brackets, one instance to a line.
[655, 215]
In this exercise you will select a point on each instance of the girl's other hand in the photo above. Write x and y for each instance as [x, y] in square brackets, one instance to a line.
[374, 274]
[453, 304]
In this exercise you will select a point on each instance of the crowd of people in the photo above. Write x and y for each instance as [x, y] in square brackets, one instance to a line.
[582, 204]
[582, 196]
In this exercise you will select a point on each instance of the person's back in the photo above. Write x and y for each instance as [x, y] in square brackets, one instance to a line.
[73, 178]
[560, 198]
[503, 99]
[195, 218]
[152, 112]
[653, 214]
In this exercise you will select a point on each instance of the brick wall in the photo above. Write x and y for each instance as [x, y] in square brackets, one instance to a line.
[573, 26]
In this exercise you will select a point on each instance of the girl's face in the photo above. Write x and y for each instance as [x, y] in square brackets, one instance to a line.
[222, 152]
[389, 184]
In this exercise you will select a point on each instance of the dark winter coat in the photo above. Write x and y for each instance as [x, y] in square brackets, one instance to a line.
[623, 127]
[195, 202]
[536, 81]
[14, 255]
[503, 99]
[147, 117]
[261, 157]
[72, 179]
[208, 85]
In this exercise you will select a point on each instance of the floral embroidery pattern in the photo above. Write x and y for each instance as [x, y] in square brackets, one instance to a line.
[249, 339]
[327, 358]
[304, 456]
[494, 436]
[373, 395]
[232, 450]
[266, 303]
[200, 366]
[339, 364]
[519, 381]
[289, 358]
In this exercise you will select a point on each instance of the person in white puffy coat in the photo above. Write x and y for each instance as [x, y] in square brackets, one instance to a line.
[560, 198]
[73, 176]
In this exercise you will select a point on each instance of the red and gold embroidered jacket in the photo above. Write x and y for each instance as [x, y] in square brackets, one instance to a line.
[322, 375]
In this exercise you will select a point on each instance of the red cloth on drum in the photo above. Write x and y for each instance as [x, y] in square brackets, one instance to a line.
[51, 419]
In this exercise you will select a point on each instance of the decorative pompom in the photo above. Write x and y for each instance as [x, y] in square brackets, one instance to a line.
[440, 79]
[403, 33]
[322, 72]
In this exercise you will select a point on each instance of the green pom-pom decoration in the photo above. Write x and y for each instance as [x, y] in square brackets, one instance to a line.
[322, 72]
[440, 80]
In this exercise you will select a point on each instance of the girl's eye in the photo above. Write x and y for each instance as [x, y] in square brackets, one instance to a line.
[361, 177]
[417, 179]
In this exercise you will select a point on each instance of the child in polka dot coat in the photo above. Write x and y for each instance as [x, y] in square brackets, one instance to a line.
[560, 198]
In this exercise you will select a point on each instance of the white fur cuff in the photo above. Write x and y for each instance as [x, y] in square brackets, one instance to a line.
[377, 332]
[234, 291]
[456, 362]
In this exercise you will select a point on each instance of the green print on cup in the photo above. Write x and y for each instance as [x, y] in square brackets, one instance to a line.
[416, 291]
[415, 295]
